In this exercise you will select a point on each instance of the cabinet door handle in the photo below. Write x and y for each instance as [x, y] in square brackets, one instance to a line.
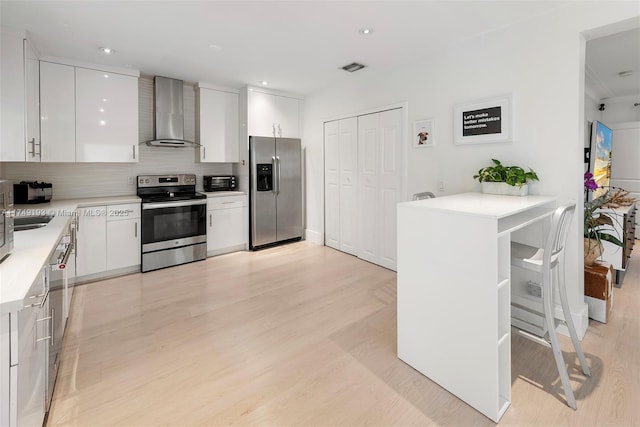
[135, 229]
[39, 144]
[279, 131]
[210, 220]
[204, 153]
[33, 147]
[50, 318]
[42, 301]
[134, 151]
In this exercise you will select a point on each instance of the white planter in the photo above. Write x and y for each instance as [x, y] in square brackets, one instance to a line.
[504, 189]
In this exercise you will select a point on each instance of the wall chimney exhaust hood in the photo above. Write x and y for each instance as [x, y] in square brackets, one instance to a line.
[169, 114]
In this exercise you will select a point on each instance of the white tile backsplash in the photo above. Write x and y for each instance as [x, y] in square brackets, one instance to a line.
[75, 180]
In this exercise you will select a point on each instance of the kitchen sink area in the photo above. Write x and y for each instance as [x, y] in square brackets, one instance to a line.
[22, 223]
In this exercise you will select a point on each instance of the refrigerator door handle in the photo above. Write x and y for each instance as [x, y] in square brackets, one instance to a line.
[276, 183]
[279, 173]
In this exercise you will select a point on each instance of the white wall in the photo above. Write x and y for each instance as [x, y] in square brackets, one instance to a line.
[540, 62]
[621, 109]
[73, 180]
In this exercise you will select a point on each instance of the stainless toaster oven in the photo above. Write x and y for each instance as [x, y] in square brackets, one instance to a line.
[219, 183]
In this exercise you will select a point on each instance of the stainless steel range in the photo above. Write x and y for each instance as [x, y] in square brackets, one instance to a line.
[174, 227]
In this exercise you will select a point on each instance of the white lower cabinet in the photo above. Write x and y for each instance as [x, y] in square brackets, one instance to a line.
[91, 252]
[123, 236]
[227, 224]
[108, 240]
[25, 338]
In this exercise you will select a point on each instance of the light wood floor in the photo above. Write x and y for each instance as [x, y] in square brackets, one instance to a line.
[303, 335]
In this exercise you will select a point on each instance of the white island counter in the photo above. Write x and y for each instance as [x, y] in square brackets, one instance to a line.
[454, 313]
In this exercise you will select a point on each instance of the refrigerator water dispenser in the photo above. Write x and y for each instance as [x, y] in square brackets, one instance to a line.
[264, 175]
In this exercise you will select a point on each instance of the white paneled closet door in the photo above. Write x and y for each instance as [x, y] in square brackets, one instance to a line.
[341, 152]
[348, 143]
[331, 185]
[379, 185]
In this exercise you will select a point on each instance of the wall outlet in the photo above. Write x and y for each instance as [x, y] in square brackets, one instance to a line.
[440, 185]
[534, 289]
[130, 180]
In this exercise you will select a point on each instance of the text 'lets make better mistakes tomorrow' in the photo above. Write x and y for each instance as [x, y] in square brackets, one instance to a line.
[482, 122]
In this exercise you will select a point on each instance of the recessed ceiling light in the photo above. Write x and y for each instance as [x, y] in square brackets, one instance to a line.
[626, 73]
[107, 50]
[354, 66]
[365, 31]
[215, 47]
[264, 83]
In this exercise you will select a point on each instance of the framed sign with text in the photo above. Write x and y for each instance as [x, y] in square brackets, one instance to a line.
[483, 121]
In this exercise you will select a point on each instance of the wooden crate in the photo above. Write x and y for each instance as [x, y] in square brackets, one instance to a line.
[598, 291]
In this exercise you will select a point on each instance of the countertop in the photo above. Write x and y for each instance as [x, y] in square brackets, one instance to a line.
[489, 205]
[223, 193]
[32, 248]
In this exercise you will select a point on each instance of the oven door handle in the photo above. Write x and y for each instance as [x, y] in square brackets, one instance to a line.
[173, 204]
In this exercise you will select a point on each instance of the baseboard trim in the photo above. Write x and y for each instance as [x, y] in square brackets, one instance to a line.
[105, 275]
[315, 237]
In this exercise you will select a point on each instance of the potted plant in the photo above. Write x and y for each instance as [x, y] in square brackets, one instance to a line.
[501, 179]
[598, 226]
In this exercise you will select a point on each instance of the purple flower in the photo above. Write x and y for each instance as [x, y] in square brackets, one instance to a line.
[589, 183]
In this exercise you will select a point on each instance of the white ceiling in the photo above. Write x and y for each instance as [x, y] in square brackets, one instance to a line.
[297, 46]
[610, 55]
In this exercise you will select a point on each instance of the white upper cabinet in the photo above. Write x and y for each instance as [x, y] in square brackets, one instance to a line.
[217, 125]
[287, 117]
[19, 104]
[106, 116]
[32, 91]
[273, 115]
[58, 112]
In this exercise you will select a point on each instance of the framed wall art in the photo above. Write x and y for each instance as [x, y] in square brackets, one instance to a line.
[424, 133]
[483, 121]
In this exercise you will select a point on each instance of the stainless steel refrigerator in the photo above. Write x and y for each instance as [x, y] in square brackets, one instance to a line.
[275, 202]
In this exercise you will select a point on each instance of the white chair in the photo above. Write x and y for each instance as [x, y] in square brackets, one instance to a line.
[549, 263]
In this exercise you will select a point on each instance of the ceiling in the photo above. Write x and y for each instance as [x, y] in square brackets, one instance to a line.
[610, 55]
[297, 46]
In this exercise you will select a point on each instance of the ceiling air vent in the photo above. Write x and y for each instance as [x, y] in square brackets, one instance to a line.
[354, 66]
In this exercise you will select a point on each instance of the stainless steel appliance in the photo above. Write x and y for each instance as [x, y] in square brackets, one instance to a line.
[58, 303]
[169, 114]
[32, 192]
[275, 202]
[6, 218]
[174, 228]
[219, 183]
